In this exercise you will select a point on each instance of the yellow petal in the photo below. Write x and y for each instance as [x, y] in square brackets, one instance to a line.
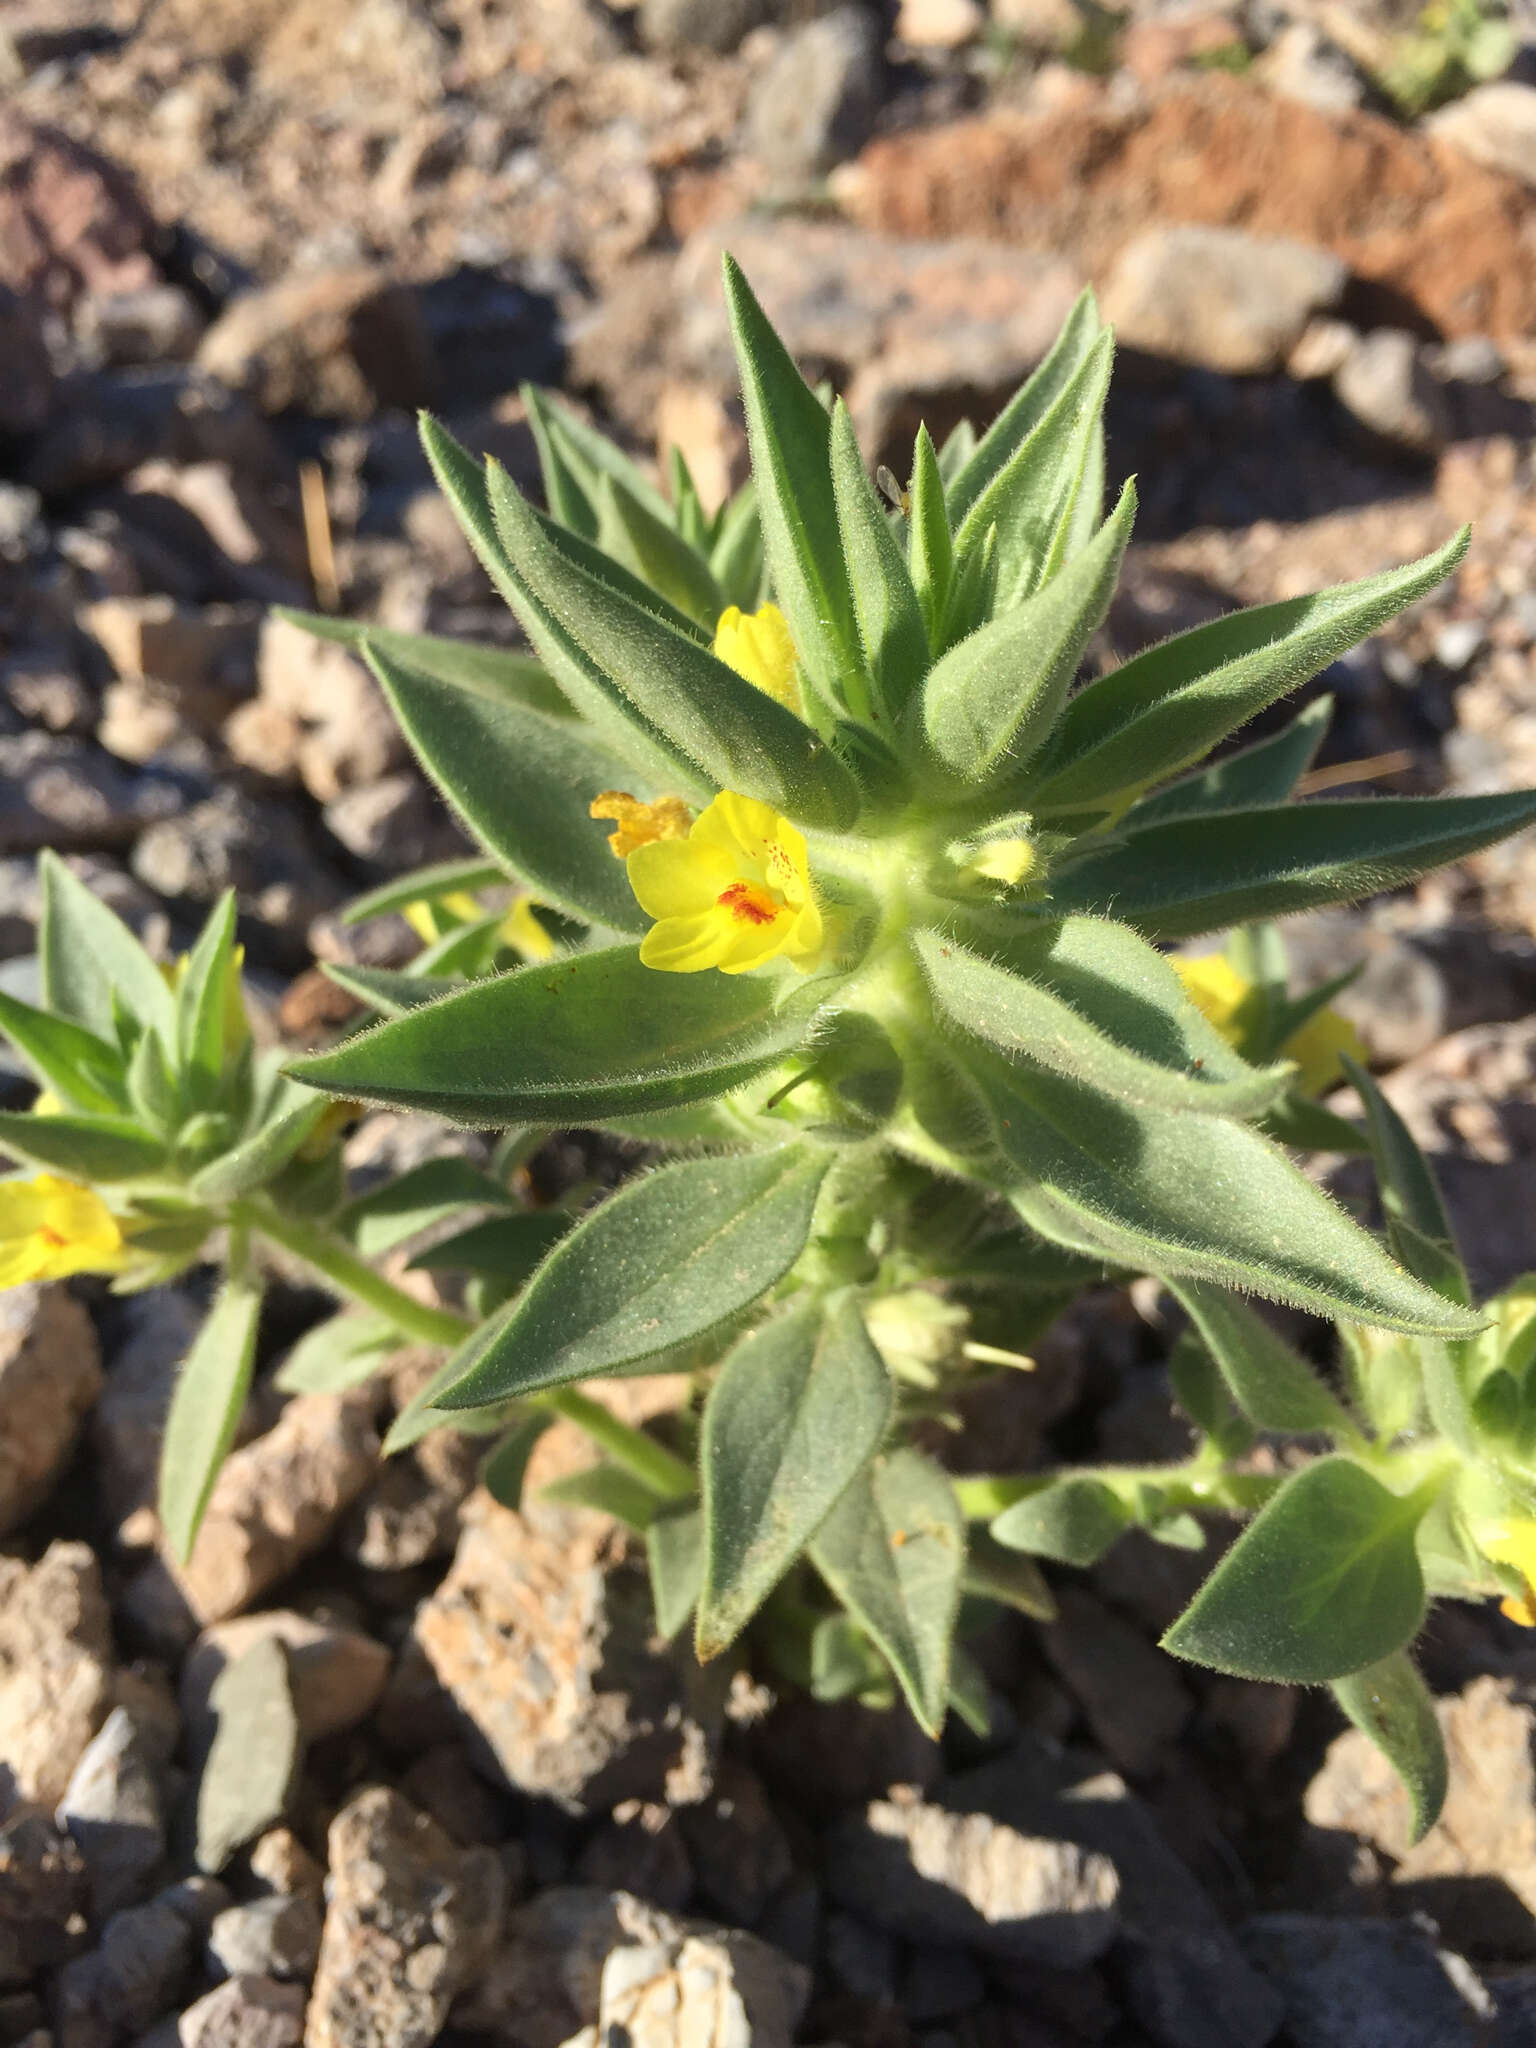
[679, 878]
[1317, 1048]
[738, 825]
[1215, 988]
[758, 646]
[521, 928]
[686, 945]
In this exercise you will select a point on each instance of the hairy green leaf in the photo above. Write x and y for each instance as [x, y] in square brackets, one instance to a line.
[988, 457]
[85, 1148]
[885, 601]
[386, 1216]
[930, 543]
[652, 549]
[674, 1551]
[464, 664]
[510, 1247]
[1265, 773]
[1074, 1520]
[205, 1410]
[93, 968]
[1417, 1219]
[202, 1004]
[1391, 1704]
[82, 1070]
[1270, 1381]
[341, 1352]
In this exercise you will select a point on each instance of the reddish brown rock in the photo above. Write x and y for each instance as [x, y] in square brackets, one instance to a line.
[1408, 214]
[70, 221]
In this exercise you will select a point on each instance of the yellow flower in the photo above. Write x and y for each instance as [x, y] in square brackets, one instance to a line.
[425, 921]
[757, 645]
[639, 824]
[1514, 1543]
[51, 1227]
[520, 928]
[1229, 1001]
[734, 893]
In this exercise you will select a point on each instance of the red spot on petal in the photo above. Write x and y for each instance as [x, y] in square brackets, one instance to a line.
[748, 903]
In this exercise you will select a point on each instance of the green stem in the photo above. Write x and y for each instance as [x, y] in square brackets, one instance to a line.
[638, 1453]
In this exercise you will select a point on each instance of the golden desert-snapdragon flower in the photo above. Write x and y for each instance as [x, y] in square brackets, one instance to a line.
[758, 646]
[1226, 997]
[50, 1228]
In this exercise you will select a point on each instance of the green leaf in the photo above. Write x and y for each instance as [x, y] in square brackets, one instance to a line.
[260, 1157]
[83, 1071]
[789, 435]
[735, 735]
[799, 1408]
[666, 1259]
[424, 885]
[1158, 712]
[1031, 1024]
[464, 664]
[893, 1552]
[523, 784]
[391, 991]
[341, 1352]
[959, 447]
[1323, 1582]
[211, 1387]
[1390, 1703]
[736, 558]
[674, 1551]
[1031, 499]
[1071, 1521]
[652, 549]
[610, 1490]
[1264, 773]
[202, 1003]
[885, 602]
[153, 1095]
[931, 544]
[990, 703]
[584, 457]
[1270, 1381]
[84, 1148]
[846, 1665]
[509, 1247]
[1018, 419]
[422, 1414]
[1006, 1576]
[1175, 1193]
[569, 1042]
[1417, 1219]
[1192, 875]
[93, 968]
[386, 1216]
[505, 1469]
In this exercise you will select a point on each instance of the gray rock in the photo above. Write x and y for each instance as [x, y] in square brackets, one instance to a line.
[932, 1874]
[861, 1960]
[245, 2012]
[541, 1634]
[717, 25]
[44, 1890]
[741, 1855]
[1494, 124]
[335, 342]
[199, 1900]
[50, 1374]
[105, 426]
[55, 1669]
[1366, 1984]
[394, 821]
[940, 1983]
[640, 1850]
[155, 1334]
[157, 323]
[64, 793]
[1219, 297]
[336, 1674]
[112, 1808]
[253, 1766]
[28, 398]
[1134, 1699]
[1385, 384]
[274, 1937]
[410, 1922]
[260, 849]
[816, 101]
[122, 1987]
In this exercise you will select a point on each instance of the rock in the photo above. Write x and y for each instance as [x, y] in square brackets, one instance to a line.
[336, 1673]
[824, 1759]
[907, 331]
[541, 1635]
[1384, 384]
[337, 732]
[275, 1937]
[252, 1768]
[61, 792]
[940, 24]
[639, 1850]
[103, 427]
[335, 342]
[27, 401]
[1399, 209]
[940, 1984]
[489, 334]
[577, 1957]
[199, 1900]
[70, 221]
[154, 639]
[113, 1811]
[50, 1374]
[279, 1499]
[55, 1669]
[708, 433]
[1302, 64]
[396, 822]
[47, 689]
[1494, 124]
[410, 1514]
[717, 25]
[1487, 1829]
[260, 849]
[741, 1855]
[862, 1961]
[929, 1874]
[44, 1890]
[1218, 297]
[411, 1921]
[157, 323]
[1134, 1699]
[245, 2012]
[443, 1783]
[122, 1987]
[282, 1863]
[1366, 1984]
[815, 102]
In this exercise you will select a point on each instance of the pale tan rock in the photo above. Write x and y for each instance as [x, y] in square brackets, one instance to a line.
[277, 1501]
[282, 1863]
[50, 1375]
[55, 1667]
[336, 1674]
[346, 734]
[708, 433]
[940, 24]
[1218, 297]
[1495, 125]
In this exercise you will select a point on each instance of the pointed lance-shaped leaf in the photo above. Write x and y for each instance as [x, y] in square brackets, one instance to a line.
[990, 703]
[736, 735]
[652, 549]
[789, 434]
[930, 544]
[1166, 708]
[668, 1258]
[1194, 875]
[202, 1004]
[82, 1070]
[1324, 1582]
[570, 1042]
[523, 784]
[92, 967]
[1072, 1520]
[799, 1408]
[1269, 1380]
[1025, 410]
[1265, 773]
[1417, 1219]
[496, 670]
[391, 991]
[205, 1410]
[1390, 1703]
[84, 1148]
[586, 456]
[885, 601]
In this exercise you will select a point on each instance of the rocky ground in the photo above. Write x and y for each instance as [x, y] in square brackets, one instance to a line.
[387, 1762]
